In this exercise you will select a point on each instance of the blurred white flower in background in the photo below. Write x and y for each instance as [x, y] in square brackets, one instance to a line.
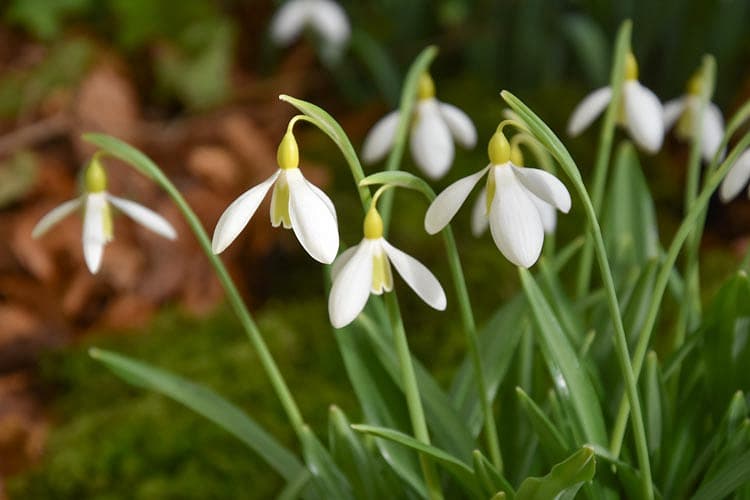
[435, 126]
[736, 179]
[641, 112]
[326, 18]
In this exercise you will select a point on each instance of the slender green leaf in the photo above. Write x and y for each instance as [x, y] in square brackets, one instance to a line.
[652, 404]
[492, 480]
[206, 403]
[734, 475]
[401, 179]
[565, 478]
[551, 439]
[295, 487]
[328, 479]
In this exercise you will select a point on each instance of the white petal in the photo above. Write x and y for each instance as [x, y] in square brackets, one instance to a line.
[54, 216]
[672, 111]
[547, 213]
[736, 178]
[459, 124]
[479, 221]
[94, 236]
[544, 185]
[713, 131]
[431, 141]
[238, 214]
[515, 223]
[323, 196]
[144, 216]
[312, 220]
[288, 22]
[417, 276]
[446, 204]
[379, 139]
[644, 116]
[588, 109]
[351, 288]
[341, 261]
[330, 21]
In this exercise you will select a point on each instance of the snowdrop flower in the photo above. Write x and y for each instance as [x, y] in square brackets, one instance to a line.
[97, 215]
[641, 111]
[435, 126]
[684, 111]
[516, 222]
[366, 268]
[325, 17]
[736, 178]
[296, 203]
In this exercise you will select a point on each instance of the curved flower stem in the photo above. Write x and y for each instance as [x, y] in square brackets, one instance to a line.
[691, 306]
[662, 278]
[556, 148]
[411, 392]
[604, 153]
[143, 164]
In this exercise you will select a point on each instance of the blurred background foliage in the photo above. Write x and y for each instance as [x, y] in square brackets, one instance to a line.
[192, 57]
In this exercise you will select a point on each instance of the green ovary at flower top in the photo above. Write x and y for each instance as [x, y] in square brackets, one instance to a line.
[684, 110]
[296, 204]
[97, 215]
[434, 127]
[366, 268]
[516, 222]
[641, 112]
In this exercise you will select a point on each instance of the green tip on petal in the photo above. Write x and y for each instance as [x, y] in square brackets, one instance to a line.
[95, 177]
[288, 153]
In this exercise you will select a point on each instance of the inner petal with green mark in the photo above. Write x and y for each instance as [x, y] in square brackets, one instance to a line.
[490, 188]
[382, 277]
[280, 203]
[108, 228]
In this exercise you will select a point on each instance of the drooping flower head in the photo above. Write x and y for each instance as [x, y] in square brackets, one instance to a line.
[97, 215]
[296, 204]
[736, 178]
[640, 111]
[325, 17]
[434, 126]
[684, 112]
[515, 202]
[366, 268]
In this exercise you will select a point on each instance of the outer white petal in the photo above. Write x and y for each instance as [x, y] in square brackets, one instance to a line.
[588, 109]
[547, 214]
[431, 142]
[323, 196]
[446, 204]
[144, 216]
[545, 186]
[479, 220]
[55, 215]
[94, 237]
[341, 261]
[351, 288]
[238, 214]
[514, 220]
[736, 178]
[672, 111]
[417, 276]
[644, 116]
[459, 124]
[330, 21]
[312, 220]
[379, 139]
[712, 133]
[289, 21]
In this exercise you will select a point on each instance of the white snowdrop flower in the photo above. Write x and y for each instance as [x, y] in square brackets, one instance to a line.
[296, 203]
[325, 17]
[516, 202]
[434, 127]
[97, 216]
[684, 110]
[736, 178]
[641, 112]
[366, 268]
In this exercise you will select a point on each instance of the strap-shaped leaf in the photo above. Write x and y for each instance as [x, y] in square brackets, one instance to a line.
[565, 478]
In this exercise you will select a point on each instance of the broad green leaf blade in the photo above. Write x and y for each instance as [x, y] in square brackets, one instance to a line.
[565, 478]
[550, 438]
[206, 403]
[462, 472]
[354, 459]
[328, 480]
[491, 480]
[733, 476]
[562, 360]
